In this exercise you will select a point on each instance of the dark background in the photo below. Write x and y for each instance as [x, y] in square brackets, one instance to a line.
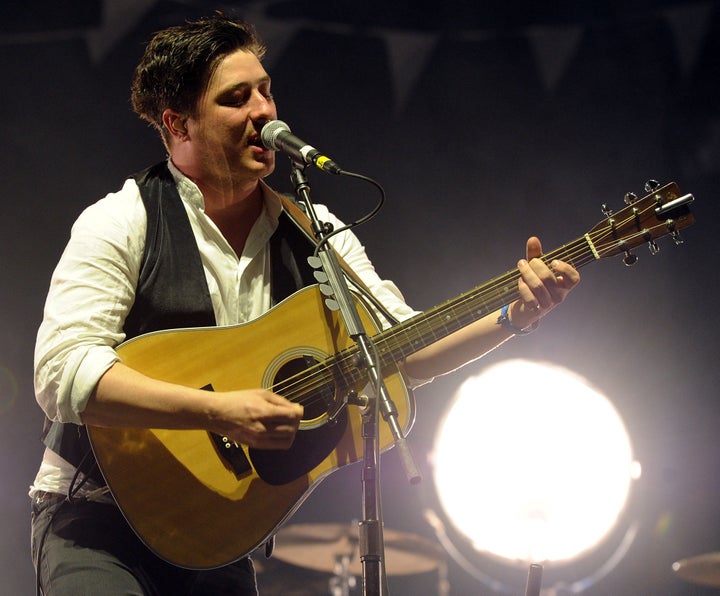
[485, 122]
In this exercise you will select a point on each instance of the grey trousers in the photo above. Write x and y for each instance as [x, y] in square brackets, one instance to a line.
[88, 549]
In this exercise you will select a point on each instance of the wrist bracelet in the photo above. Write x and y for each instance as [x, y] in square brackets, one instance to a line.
[504, 320]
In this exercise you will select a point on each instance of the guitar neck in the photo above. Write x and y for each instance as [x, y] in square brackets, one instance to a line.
[406, 338]
[664, 211]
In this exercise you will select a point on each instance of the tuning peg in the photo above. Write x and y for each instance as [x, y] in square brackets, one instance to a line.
[651, 185]
[630, 198]
[675, 235]
[607, 212]
[653, 247]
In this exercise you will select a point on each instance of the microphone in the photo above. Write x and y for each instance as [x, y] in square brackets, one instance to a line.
[276, 135]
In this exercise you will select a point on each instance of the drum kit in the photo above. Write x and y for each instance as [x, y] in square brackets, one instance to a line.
[333, 550]
[703, 569]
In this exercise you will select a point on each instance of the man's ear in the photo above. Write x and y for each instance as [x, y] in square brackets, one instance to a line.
[175, 124]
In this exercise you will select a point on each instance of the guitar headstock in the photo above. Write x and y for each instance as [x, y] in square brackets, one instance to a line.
[664, 211]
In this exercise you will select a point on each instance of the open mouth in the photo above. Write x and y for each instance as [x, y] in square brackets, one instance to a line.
[256, 141]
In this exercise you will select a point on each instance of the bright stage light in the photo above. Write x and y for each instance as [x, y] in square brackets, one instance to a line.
[532, 464]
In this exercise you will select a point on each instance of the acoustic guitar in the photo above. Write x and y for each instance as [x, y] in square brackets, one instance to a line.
[199, 500]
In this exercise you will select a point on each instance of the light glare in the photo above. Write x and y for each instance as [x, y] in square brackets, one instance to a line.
[531, 463]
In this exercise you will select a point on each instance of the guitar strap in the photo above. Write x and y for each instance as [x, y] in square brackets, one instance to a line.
[298, 215]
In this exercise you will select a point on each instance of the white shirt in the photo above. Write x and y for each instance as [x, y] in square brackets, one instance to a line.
[93, 289]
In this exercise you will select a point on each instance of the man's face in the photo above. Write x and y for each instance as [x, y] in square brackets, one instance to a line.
[225, 133]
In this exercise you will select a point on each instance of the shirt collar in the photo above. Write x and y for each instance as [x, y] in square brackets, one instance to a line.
[190, 193]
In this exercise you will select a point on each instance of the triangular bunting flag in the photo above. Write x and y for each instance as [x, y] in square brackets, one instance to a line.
[690, 23]
[276, 35]
[554, 47]
[118, 19]
[408, 54]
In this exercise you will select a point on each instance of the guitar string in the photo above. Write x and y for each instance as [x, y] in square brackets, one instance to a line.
[320, 374]
[574, 251]
[489, 296]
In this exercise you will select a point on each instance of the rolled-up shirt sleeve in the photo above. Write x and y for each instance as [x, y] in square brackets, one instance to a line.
[91, 292]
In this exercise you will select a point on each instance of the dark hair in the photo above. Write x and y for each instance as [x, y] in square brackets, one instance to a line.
[178, 63]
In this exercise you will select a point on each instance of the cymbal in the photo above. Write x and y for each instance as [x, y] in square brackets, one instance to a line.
[322, 546]
[702, 569]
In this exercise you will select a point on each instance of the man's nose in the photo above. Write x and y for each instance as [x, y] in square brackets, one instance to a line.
[262, 107]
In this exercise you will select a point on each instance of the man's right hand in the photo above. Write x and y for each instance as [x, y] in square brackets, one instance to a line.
[259, 418]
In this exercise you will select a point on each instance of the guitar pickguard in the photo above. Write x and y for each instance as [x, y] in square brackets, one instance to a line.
[309, 449]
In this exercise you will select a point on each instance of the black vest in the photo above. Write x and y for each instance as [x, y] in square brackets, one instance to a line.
[172, 291]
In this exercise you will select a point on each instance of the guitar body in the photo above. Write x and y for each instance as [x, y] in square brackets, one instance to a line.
[199, 501]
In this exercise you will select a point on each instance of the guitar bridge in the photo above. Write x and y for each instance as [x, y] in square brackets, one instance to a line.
[232, 454]
[230, 451]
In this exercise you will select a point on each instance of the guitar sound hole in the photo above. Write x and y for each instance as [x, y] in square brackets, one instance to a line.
[312, 445]
[317, 389]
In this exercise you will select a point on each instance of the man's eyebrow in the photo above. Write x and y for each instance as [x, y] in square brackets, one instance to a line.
[244, 84]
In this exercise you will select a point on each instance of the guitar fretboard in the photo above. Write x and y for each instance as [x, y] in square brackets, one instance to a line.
[406, 338]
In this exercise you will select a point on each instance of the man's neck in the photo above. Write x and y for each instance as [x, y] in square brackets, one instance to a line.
[245, 204]
[220, 196]
[236, 218]
[219, 192]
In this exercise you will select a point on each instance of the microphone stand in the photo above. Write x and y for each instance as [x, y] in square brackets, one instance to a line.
[371, 545]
